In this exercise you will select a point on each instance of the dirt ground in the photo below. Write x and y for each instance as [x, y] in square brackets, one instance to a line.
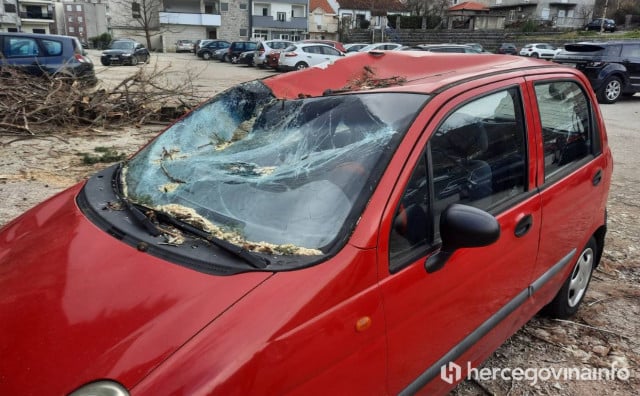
[604, 334]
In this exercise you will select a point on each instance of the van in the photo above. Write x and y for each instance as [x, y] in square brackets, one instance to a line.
[46, 54]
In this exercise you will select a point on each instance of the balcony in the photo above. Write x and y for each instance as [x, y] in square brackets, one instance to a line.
[195, 19]
[259, 21]
[497, 4]
[36, 2]
[37, 17]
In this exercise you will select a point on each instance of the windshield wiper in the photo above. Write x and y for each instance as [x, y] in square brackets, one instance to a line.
[138, 215]
[252, 259]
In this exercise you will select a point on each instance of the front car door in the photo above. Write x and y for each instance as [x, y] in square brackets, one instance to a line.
[631, 61]
[476, 150]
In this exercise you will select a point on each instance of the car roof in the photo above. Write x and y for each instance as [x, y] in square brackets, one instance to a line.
[413, 71]
[36, 35]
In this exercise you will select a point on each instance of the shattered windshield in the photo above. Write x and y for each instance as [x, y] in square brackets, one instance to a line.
[272, 175]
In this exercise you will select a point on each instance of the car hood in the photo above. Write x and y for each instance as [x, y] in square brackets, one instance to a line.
[112, 52]
[77, 305]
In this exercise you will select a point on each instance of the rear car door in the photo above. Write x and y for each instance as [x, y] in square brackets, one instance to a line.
[22, 52]
[571, 178]
[477, 151]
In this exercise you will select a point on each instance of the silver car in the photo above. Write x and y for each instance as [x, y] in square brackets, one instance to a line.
[267, 47]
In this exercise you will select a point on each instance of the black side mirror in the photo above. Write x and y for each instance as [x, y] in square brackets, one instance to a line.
[462, 226]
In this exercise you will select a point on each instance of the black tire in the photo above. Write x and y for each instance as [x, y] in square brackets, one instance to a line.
[535, 55]
[234, 59]
[610, 91]
[105, 62]
[206, 55]
[567, 301]
[301, 65]
[225, 58]
[133, 61]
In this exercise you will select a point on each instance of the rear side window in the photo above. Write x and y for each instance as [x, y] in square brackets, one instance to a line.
[631, 50]
[567, 133]
[52, 47]
[16, 47]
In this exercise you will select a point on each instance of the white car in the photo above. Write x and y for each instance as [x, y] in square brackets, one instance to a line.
[539, 50]
[354, 47]
[265, 48]
[378, 47]
[302, 55]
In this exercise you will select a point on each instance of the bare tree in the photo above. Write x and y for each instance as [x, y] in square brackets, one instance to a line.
[141, 15]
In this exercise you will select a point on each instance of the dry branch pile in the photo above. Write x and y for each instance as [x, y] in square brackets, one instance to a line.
[43, 105]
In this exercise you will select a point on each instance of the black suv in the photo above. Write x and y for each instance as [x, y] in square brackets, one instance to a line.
[613, 68]
[238, 47]
[609, 25]
[125, 52]
[46, 54]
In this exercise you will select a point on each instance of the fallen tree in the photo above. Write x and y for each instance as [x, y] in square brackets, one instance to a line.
[33, 106]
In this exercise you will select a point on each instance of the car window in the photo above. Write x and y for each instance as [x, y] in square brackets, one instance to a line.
[312, 49]
[566, 127]
[15, 47]
[631, 50]
[477, 157]
[53, 48]
[330, 51]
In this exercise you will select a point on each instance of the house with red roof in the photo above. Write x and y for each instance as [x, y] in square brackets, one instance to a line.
[323, 20]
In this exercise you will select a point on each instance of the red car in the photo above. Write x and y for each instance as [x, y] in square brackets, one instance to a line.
[316, 232]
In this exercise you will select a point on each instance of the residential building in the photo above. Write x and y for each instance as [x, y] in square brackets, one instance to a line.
[551, 13]
[323, 20]
[9, 20]
[34, 16]
[282, 19]
[376, 12]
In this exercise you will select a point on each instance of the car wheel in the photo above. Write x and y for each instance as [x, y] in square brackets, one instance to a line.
[206, 55]
[568, 299]
[234, 59]
[133, 60]
[147, 59]
[301, 65]
[225, 58]
[535, 55]
[105, 62]
[610, 91]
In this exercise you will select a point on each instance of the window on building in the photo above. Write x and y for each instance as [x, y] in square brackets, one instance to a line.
[80, 19]
[69, 7]
[243, 32]
[40, 31]
[209, 9]
[81, 29]
[12, 30]
[72, 29]
[70, 19]
[9, 8]
[224, 7]
[265, 11]
[282, 16]
[78, 8]
[135, 10]
[243, 6]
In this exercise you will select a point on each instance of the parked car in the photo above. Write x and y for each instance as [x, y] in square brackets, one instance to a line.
[606, 25]
[539, 50]
[125, 52]
[246, 58]
[282, 238]
[236, 48]
[354, 47]
[613, 68]
[220, 53]
[46, 54]
[184, 46]
[266, 47]
[335, 44]
[477, 46]
[273, 60]
[199, 44]
[208, 50]
[304, 54]
[449, 48]
[380, 47]
[508, 49]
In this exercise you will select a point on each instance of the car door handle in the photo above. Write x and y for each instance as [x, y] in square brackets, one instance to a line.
[597, 177]
[523, 226]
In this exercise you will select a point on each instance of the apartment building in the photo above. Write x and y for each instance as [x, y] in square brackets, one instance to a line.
[30, 16]
[282, 19]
